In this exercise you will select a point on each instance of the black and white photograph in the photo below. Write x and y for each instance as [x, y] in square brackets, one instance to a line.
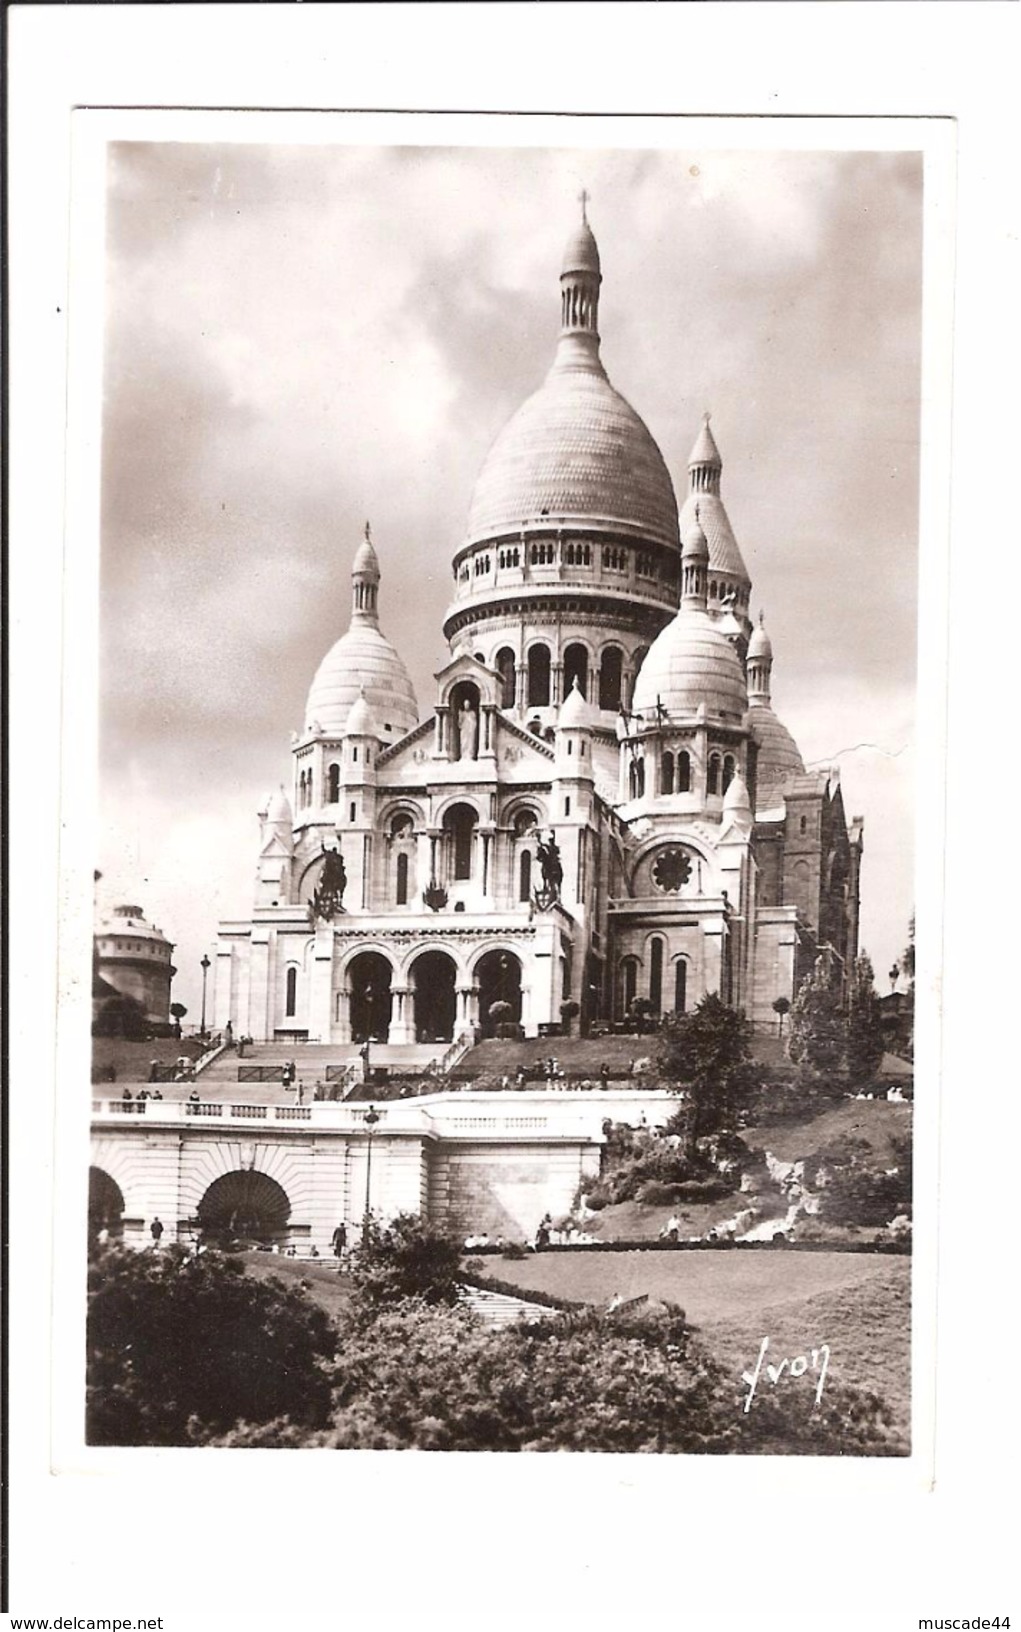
[503, 964]
[503, 952]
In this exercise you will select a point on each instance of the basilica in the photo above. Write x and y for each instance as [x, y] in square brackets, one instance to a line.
[599, 814]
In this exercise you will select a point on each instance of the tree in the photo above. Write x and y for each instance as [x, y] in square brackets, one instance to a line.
[407, 1258]
[864, 1029]
[816, 1036]
[182, 1348]
[708, 1050]
[178, 1011]
[781, 1006]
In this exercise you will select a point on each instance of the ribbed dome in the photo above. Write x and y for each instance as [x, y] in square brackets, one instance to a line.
[779, 756]
[363, 658]
[575, 449]
[689, 664]
[724, 554]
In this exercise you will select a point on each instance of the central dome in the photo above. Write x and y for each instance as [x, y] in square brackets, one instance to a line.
[575, 450]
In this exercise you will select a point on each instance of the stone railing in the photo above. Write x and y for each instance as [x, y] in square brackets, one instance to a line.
[525, 1115]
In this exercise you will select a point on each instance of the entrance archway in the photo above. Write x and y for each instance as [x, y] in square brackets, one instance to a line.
[434, 978]
[499, 980]
[369, 977]
[106, 1204]
[245, 1206]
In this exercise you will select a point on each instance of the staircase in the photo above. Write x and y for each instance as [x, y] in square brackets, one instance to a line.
[311, 1059]
[498, 1309]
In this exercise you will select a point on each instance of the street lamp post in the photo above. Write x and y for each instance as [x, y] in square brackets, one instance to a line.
[371, 1118]
[204, 966]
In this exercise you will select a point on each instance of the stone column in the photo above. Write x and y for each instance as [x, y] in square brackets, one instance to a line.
[556, 679]
[402, 1015]
[320, 996]
[442, 731]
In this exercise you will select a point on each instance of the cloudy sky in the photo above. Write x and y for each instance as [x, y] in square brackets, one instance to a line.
[300, 338]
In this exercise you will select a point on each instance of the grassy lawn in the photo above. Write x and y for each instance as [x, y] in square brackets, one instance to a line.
[707, 1285]
[870, 1119]
[857, 1304]
[330, 1290]
[867, 1325]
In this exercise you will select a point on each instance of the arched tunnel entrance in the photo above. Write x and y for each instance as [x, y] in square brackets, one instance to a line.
[244, 1206]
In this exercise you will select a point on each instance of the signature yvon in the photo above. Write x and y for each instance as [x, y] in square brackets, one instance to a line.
[815, 1360]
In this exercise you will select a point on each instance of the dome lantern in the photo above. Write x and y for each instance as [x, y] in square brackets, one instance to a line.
[579, 297]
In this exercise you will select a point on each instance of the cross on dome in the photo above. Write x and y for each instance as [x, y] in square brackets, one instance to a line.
[583, 198]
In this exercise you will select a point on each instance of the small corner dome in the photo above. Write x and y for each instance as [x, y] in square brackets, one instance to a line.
[760, 645]
[705, 451]
[366, 560]
[581, 252]
[278, 807]
[575, 712]
[360, 722]
[692, 664]
[696, 545]
[737, 797]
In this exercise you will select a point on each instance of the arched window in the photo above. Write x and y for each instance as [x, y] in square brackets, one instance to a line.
[291, 999]
[610, 670]
[713, 589]
[401, 826]
[683, 773]
[680, 985]
[666, 773]
[524, 822]
[575, 668]
[728, 771]
[628, 983]
[636, 778]
[505, 668]
[656, 974]
[525, 876]
[334, 784]
[538, 677]
[402, 879]
[713, 784]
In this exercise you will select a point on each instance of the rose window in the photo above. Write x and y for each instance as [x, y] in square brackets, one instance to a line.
[671, 871]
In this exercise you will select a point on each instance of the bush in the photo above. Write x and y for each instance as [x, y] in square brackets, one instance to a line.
[180, 1348]
[406, 1258]
[584, 1380]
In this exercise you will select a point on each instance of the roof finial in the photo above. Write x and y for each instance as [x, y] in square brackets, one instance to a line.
[583, 198]
[707, 415]
[368, 533]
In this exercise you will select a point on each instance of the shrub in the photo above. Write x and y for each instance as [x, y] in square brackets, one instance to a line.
[582, 1380]
[180, 1348]
[406, 1258]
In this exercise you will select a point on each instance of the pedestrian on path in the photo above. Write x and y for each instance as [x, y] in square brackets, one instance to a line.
[156, 1231]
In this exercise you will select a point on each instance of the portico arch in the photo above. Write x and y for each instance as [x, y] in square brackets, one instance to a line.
[371, 1002]
[498, 974]
[106, 1203]
[434, 982]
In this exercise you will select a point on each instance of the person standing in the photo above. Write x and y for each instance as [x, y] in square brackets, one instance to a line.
[339, 1244]
[156, 1231]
